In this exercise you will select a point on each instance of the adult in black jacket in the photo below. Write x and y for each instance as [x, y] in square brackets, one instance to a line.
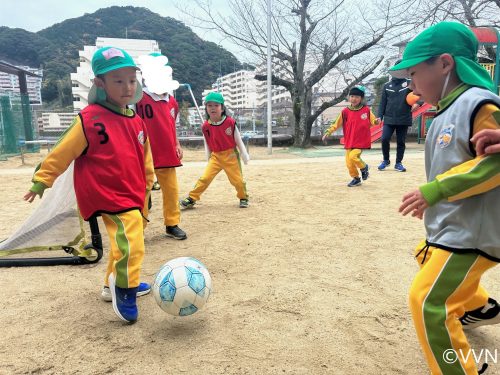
[396, 114]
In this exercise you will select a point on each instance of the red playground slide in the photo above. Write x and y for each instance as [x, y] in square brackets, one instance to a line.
[376, 131]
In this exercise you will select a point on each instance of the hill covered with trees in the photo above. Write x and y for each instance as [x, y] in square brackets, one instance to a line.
[55, 48]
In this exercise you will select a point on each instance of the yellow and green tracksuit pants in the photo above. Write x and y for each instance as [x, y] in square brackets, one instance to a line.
[229, 161]
[353, 161]
[126, 238]
[446, 286]
[167, 178]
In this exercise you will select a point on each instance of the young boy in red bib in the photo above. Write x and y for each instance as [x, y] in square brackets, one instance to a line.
[356, 119]
[223, 140]
[113, 172]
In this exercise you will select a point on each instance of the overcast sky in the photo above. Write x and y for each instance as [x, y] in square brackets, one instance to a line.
[35, 15]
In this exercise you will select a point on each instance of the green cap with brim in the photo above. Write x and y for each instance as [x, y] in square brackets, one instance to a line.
[215, 97]
[446, 37]
[105, 60]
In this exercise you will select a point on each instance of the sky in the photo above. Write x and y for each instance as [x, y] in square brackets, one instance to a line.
[35, 15]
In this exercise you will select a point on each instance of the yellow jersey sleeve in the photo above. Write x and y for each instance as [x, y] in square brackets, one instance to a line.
[71, 145]
[335, 125]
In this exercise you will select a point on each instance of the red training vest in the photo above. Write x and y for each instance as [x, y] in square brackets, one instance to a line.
[356, 125]
[110, 176]
[159, 117]
[220, 137]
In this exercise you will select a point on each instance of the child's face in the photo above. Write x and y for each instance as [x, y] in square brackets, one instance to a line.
[120, 86]
[427, 79]
[214, 110]
[355, 100]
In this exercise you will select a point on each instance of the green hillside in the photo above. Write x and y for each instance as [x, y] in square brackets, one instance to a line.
[55, 49]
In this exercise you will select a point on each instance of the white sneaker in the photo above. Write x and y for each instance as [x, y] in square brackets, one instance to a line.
[144, 288]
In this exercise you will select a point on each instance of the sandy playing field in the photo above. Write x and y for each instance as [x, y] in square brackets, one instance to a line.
[312, 278]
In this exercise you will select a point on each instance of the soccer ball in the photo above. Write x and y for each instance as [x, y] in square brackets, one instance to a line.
[182, 286]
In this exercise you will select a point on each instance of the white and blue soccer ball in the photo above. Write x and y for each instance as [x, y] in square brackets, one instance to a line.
[182, 286]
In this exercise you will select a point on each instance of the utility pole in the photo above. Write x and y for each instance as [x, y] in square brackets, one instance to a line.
[269, 77]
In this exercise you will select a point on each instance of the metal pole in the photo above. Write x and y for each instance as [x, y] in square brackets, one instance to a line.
[269, 76]
[194, 100]
[199, 112]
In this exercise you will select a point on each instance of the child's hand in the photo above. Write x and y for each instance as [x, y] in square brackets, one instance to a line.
[324, 138]
[378, 121]
[415, 203]
[29, 196]
[178, 151]
[487, 141]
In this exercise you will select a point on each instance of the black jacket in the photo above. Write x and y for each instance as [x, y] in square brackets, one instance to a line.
[393, 108]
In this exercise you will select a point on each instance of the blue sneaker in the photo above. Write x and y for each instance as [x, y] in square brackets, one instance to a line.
[384, 164]
[364, 172]
[143, 289]
[399, 167]
[124, 301]
[356, 181]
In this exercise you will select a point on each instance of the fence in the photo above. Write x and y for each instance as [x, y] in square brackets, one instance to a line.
[16, 125]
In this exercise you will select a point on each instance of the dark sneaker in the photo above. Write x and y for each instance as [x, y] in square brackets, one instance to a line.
[187, 202]
[176, 232]
[364, 172]
[399, 167]
[384, 165]
[143, 289]
[356, 181]
[156, 186]
[486, 315]
[124, 301]
[243, 203]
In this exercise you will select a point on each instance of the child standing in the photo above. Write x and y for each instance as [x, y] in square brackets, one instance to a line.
[159, 109]
[113, 171]
[222, 137]
[356, 119]
[463, 240]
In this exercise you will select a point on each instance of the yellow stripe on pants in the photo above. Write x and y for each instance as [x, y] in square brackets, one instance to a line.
[446, 286]
[167, 178]
[224, 160]
[353, 161]
[126, 238]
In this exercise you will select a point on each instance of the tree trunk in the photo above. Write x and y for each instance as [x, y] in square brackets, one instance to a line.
[302, 112]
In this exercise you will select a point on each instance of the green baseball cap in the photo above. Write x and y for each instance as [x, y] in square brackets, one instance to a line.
[446, 37]
[215, 97]
[105, 60]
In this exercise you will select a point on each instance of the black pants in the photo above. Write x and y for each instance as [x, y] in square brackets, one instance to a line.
[387, 132]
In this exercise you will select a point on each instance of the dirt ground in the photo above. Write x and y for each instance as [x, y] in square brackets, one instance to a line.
[312, 278]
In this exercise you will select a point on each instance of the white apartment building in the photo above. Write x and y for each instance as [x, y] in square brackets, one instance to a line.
[238, 88]
[9, 84]
[81, 81]
[53, 124]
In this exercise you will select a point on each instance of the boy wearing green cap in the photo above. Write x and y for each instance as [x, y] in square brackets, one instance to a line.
[113, 171]
[461, 199]
[356, 120]
[225, 147]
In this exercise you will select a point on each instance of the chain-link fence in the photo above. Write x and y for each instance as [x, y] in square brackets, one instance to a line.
[16, 125]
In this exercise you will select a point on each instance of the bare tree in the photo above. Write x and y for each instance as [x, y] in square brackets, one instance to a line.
[334, 43]
[473, 13]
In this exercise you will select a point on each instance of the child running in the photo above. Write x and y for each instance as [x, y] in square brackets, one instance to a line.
[113, 172]
[356, 119]
[223, 141]
[461, 199]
